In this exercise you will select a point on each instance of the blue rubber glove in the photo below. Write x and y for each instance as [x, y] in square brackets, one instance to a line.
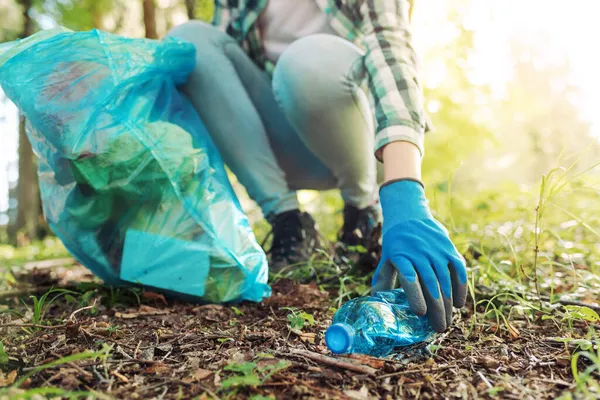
[418, 251]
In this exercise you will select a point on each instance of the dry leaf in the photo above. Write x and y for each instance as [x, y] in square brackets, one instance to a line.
[362, 394]
[143, 311]
[201, 374]
[206, 307]
[514, 332]
[155, 296]
[308, 337]
[120, 376]
[157, 369]
[147, 310]
[126, 315]
[8, 379]
[366, 360]
[488, 362]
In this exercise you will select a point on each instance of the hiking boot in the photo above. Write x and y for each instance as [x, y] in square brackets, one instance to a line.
[359, 224]
[360, 237]
[295, 239]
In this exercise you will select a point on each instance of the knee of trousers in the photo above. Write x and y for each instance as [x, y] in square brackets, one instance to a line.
[317, 72]
[200, 34]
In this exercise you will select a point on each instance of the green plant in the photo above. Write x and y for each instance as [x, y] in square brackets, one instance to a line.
[587, 383]
[245, 375]
[40, 305]
[297, 319]
[250, 374]
[86, 355]
[261, 397]
[3, 355]
[237, 311]
[122, 295]
[579, 313]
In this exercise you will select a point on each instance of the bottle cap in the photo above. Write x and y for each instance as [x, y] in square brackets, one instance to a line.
[339, 338]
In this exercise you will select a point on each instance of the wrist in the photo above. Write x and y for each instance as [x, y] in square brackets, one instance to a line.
[401, 160]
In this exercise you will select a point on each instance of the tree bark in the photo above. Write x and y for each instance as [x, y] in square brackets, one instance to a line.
[190, 6]
[29, 215]
[150, 19]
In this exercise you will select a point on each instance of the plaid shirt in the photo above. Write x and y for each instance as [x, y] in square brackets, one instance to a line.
[382, 29]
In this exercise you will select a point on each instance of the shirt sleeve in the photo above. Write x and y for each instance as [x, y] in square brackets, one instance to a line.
[392, 70]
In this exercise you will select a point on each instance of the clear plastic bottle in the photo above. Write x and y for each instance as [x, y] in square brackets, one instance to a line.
[375, 325]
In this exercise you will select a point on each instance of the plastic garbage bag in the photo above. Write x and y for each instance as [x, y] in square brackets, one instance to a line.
[130, 179]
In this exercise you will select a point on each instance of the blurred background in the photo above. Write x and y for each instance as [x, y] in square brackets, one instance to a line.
[512, 87]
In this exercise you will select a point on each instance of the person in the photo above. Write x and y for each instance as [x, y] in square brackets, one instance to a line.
[312, 94]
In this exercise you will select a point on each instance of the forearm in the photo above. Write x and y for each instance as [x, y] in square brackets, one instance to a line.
[401, 160]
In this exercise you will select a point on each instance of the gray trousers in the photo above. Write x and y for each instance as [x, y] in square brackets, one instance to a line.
[310, 127]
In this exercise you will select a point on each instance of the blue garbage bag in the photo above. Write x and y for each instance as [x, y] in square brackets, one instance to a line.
[130, 179]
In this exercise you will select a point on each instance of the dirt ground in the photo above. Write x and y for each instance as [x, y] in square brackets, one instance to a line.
[156, 348]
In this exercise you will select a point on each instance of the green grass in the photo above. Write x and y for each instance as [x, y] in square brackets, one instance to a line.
[43, 250]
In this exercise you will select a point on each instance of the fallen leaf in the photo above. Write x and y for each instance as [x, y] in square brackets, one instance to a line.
[147, 310]
[430, 363]
[120, 376]
[366, 360]
[207, 307]
[157, 369]
[126, 315]
[201, 374]
[514, 332]
[308, 337]
[142, 311]
[70, 382]
[8, 379]
[155, 296]
[165, 348]
[488, 362]
[563, 361]
[362, 394]
[147, 354]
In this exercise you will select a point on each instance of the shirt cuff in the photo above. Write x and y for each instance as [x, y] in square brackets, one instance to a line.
[398, 133]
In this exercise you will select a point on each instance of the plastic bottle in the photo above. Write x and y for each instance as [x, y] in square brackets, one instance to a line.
[375, 325]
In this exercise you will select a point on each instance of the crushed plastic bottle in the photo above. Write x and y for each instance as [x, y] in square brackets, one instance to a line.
[376, 325]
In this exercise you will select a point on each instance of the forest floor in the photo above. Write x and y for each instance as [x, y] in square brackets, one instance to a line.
[64, 335]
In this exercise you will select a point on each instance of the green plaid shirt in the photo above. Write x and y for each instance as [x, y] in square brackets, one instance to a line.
[381, 28]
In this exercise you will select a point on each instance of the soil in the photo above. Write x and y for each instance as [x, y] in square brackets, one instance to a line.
[164, 349]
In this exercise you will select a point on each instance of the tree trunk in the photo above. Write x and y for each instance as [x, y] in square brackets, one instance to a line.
[150, 19]
[190, 5]
[29, 216]
[27, 21]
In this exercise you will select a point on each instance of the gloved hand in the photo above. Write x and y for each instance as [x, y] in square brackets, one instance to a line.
[417, 250]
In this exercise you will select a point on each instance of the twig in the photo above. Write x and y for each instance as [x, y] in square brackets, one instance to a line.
[96, 363]
[15, 325]
[334, 362]
[553, 381]
[416, 371]
[105, 338]
[81, 309]
[73, 365]
[137, 348]
[485, 380]
[570, 343]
